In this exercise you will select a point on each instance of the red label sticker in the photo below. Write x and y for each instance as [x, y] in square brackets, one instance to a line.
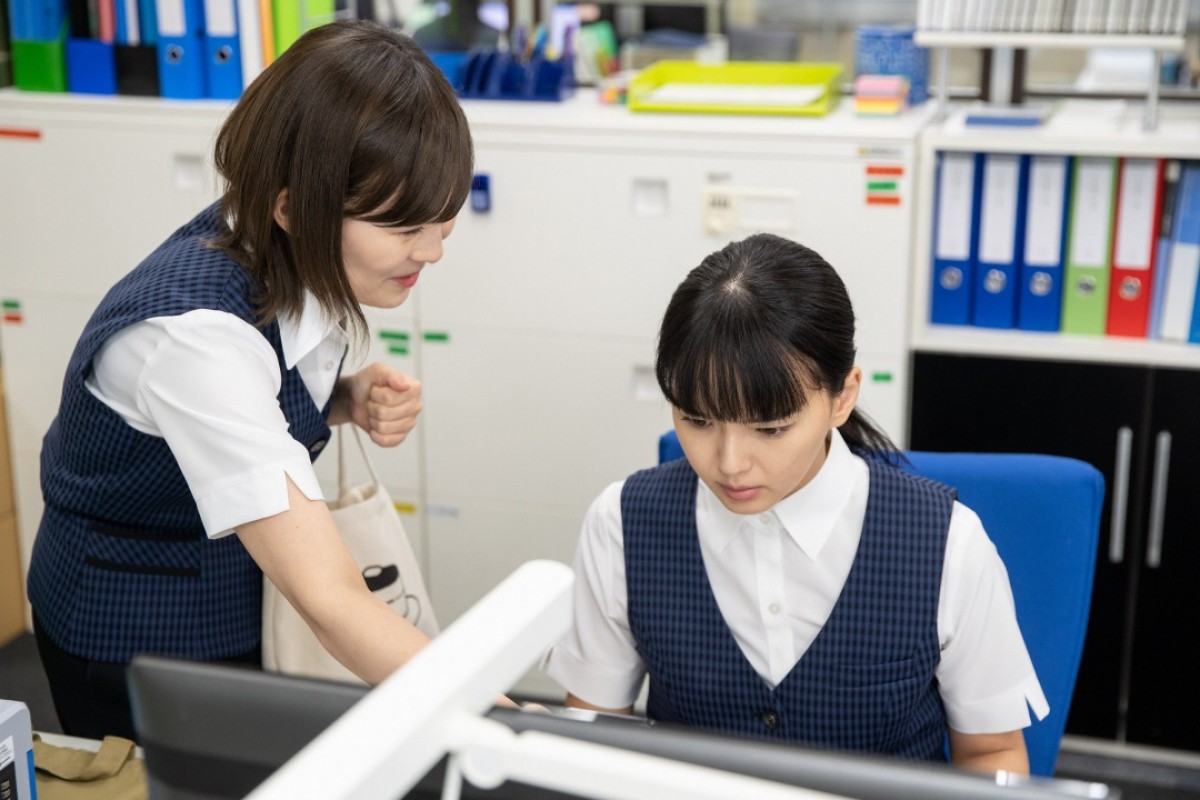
[20, 133]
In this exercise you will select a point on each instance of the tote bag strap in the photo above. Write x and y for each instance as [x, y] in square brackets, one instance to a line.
[343, 473]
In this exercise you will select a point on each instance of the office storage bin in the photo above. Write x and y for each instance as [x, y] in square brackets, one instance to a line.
[763, 87]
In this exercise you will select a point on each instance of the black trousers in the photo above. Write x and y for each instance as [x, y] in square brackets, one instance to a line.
[91, 698]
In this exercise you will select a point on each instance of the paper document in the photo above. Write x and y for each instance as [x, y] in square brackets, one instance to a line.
[731, 94]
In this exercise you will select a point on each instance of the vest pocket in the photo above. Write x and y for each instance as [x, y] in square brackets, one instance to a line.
[888, 694]
[123, 609]
[878, 674]
[171, 553]
[142, 569]
[144, 534]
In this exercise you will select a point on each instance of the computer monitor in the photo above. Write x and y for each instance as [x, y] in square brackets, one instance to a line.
[214, 732]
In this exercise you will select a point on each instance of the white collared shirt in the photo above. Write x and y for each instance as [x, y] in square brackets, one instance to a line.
[776, 577]
[208, 382]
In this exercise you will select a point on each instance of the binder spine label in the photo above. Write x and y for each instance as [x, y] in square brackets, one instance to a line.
[1135, 219]
[1093, 213]
[955, 199]
[1044, 217]
[999, 214]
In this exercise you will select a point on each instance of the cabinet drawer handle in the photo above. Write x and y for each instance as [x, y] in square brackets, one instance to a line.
[1158, 498]
[1116, 540]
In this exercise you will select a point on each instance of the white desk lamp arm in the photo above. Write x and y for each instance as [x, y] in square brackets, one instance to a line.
[390, 739]
[489, 753]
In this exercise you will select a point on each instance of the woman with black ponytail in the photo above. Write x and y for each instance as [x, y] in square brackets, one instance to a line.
[788, 578]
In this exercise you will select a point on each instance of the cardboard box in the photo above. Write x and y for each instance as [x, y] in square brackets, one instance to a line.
[12, 589]
[6, 485]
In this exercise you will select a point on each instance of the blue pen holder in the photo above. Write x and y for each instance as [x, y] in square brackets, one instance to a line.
[890, 50]
[450, 62]
[491, 74]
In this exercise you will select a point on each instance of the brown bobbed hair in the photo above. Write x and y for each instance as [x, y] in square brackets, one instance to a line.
[354, 121]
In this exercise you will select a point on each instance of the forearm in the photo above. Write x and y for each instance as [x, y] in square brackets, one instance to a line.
[989, 752]
[574, 702]
[302, 553]
[362, 632]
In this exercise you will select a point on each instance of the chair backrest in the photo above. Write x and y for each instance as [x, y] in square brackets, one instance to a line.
[1043, 514]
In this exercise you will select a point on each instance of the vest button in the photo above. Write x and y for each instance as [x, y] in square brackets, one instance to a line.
[318, 446]
[770, 719]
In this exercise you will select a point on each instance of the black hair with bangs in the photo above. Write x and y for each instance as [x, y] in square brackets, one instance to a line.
[753, 330]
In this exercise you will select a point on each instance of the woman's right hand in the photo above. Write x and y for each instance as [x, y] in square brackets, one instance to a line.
[381, 400]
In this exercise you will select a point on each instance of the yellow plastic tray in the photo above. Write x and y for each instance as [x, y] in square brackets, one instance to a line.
[737, 87]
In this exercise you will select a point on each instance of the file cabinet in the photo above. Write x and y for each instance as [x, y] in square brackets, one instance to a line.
[1138, 425]
[533, 336]
[1125, 405]
[12, 592]
[88, 187]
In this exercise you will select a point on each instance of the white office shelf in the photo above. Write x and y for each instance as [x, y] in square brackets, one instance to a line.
[1078, 127]
[944, 41]
[962, 340]
[1107, 128]
[1062, 41]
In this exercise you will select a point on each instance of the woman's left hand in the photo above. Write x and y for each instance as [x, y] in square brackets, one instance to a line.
[382, 401]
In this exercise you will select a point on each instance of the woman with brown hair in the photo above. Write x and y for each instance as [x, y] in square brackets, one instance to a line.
[207, 379]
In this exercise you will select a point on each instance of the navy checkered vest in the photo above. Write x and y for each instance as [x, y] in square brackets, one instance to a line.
[121, 563]
[866, 683]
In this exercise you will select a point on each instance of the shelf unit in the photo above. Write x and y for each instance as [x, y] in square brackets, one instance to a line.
[944, 41]
[1075, 128]
[1117, 403]
[1061, 41]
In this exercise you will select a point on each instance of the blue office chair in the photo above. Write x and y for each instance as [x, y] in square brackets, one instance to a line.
[1043, 513]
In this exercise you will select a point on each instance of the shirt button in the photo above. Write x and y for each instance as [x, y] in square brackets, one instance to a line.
[329, 366]
[773, 608]
[765, 519]
[770, 719]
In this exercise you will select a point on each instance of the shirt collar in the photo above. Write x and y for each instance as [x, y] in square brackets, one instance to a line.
[808, 515]
[299, 337]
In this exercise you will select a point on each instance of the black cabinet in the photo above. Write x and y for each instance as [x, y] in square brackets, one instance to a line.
[1140, 676]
